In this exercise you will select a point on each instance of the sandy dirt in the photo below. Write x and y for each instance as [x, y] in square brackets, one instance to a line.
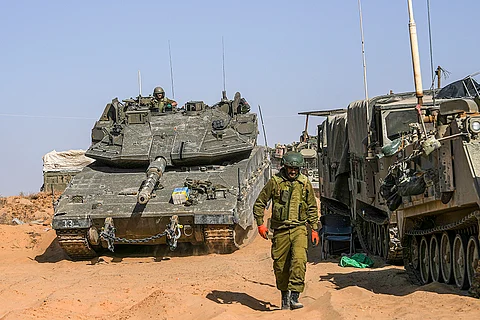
[37, 281]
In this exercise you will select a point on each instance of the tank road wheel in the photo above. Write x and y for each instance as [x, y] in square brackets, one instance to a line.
[370, 237]
[373, 231]
[473, 256]
[243, 237]
[414, 251]
[435, 259]
[459, 262]
[424, 259]
[446, 257]
[379, 240]
[364, 234]
[386, 241]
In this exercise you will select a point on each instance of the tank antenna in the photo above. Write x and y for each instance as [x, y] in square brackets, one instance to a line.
[223, 68]
[171, 69]
[265, 137]
[263, 126]
[139, 84]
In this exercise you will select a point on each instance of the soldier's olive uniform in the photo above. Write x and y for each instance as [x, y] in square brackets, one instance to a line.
[293, 205]
[161, 105]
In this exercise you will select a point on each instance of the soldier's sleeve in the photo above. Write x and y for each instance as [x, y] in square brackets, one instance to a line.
[312, 208]
[170, 101]
[262, 200]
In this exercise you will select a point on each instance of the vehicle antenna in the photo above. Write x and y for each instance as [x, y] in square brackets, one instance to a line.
[266, 143]
[171, 69]
[365, 87]
[263, 126]
[370, 154]
[139, 84]
[223, 68]
[432, 87]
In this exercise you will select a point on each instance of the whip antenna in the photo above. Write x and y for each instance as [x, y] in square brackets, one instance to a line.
[365, 87]
[139, 84]
[223, 66]
[263, 126]
[171, 69]
[363, 55]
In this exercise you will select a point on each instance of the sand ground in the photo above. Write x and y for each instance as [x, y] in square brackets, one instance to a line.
[37, 281]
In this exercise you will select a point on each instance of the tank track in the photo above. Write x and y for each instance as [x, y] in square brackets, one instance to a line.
[220, 238]
[468, 222]
[395, 252]
[75, 244]
[412, 273]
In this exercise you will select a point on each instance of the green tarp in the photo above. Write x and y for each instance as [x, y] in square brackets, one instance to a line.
[358, 260]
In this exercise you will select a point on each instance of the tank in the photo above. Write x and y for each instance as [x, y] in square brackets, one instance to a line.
[410, 179]
[187, 174]
[307, 146]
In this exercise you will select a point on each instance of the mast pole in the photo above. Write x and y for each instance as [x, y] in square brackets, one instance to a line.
[417, 75]
[365, 87]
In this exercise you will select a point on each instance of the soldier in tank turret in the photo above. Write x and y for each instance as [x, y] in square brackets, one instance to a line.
[293, 206]
[160, 103]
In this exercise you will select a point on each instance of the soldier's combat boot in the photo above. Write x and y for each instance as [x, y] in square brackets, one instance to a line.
[294, 304]
[285, 300]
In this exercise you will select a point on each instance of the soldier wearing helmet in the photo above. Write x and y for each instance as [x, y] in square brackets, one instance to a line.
[160, 103]
[293, 206]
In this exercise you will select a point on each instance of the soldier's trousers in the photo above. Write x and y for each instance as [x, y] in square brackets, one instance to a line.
[289, 254]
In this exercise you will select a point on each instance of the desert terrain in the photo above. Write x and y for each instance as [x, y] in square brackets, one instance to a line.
[38, 281]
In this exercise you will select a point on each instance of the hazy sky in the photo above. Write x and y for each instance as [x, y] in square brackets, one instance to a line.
[61, 62]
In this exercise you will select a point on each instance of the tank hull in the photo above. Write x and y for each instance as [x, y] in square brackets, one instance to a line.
[222, 222]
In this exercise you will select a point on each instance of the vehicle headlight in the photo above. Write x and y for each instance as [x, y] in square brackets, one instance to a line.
[474, 125]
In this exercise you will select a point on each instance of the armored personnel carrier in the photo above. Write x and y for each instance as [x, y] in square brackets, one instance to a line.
[165, 176]
[410, 179]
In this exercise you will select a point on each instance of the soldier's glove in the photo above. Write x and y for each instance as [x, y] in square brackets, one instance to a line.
[315, 238]
[263, 230]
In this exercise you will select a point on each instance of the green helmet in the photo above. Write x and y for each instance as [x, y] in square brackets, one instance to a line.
[158, 90]
[293, 159]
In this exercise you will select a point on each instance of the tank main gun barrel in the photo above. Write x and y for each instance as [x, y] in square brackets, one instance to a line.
[154, 173]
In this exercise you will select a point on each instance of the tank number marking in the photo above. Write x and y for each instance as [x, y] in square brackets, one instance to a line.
[68, 223]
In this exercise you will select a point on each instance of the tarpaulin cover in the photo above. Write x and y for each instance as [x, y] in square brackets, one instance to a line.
[357, 127]
[71, 160]
[336, 136]
[467, 87]
[338, 152]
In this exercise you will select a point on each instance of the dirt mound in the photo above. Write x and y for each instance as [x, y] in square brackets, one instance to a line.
[33, 208]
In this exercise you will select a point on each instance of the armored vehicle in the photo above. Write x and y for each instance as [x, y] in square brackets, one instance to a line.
[307, 146]
[165, 175]
[410, 179]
